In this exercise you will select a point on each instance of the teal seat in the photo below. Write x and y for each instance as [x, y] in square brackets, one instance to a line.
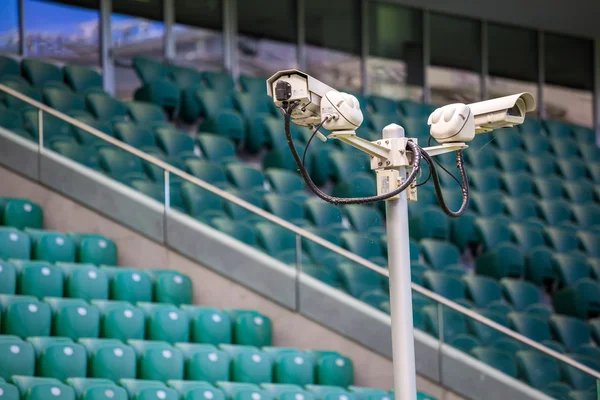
[504, 260]
[146, 114]
[8, 277]
[345, 165]
[564, 148]
[532, 326]
[16, 104]
[360, 244]
[243, 391]
[482, 158]
[245, 178]
[255, 110]
[273, 238]
[572, 169]
[204, 362]
[197, 201]
[239, 213]
[74, 318]
[196, 390]
[582, 395]
[253, 85]
[454, 323]
[537, 369]
[283, 181]
[9, 66]
[134, 135]
[429, 222]
[415, 109]
[215, 148]
[561, 240]
[322, 214]
[25, 316]
[362, 185]
[219, 114]
[82, 79]
[439, 254]
[85, 155]
[483, 332]
[331, 369]
[526, 236]
[520, 294]
[330, 392]
[548, 187]
[364, 393]
[590, 243]
[16, 357]
[558, 390]
[357, 279]
[238, 230]
[284, 207]
[570, 331]
[363, 218]
[447, 286]
[63, 100]
[165, 322]
[53, 127]
[185, 77]
[40, 73]
[148, 390]
[118, 163]
[465, 342]
[207, 171]
[158, 361]
[250, 328]
[488, 204]
[120, 320]
[88, 139]
[43, 388]
[171, 287]
[94, 249]
[14, 244]
[96, 389]
[109, 359]
[208, 325]
[158, 90]
[290, 367]
[587, 215]
[376, 298]
[580, 380]
[10, 392]
[580, 299]
[59, 358]
[39, 279]
[174, 142]
[580, 192]
[481, 290]
[11, 120]
[249, 365]
[517, 184]
[496, 358]
[128, 284]
[51, 246]
[220, 81]
[508, 139]
[106, 108]
[542, 165]
[383, 105]
[521, 208]
[557, 129]
[315, 250]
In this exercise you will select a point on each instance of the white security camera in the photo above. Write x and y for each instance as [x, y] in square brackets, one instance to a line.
[459, 122]
[317, 102]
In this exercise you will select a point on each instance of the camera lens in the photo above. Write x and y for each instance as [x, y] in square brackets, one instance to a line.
[283, 91]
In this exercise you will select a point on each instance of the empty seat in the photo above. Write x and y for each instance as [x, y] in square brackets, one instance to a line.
[572, 168]
[439, 254]
[589, 242]
[290, 366]
[249, 364]
[536, 369]
[520, 294]
[85, 155]
[40, 279]
[59, 357]
[488, 204]
[171, 287]
[332, 369]
[16, 357]
[21, 213]
[586, 215]
[517, 184]
[64, 101]
[25, 316]
[204, 362]
[557, 129]
[196, 390]
[255, 111]
[570, 331]
[43, 388]
[496, 358]
[96, 388]
[250, 328]
[165, 322]
[8, 278]
[532, 326]
[94, 249]
[109, 359]
[485, 181]
[360, 244]
[357, 279]
[134, 135]
[239, 230]
[481, 158]
[120, 320]
[129, 284]
[323, 214]
[274, 239]
[118, 163]
[527, 237]
[364, 219]
[82, 79]
[570, 268]
[345, 166]
[542, 165]
[216, 148]
[245, 178]
[554, 212]
[484, 333]
[158, 360]
[362, 185]
[481, 290]
[146, 114]
[284, 207]
[383, 105]
[243, 391]
[106, 108]
[40, 73]
[580, 299]
[51, 246]
[447, 286]
[9, 66]
[429, 222]
[173, 142]
[561, 240]
[578, 379]
[74, 318]
[148, 390]
[455, 323]
[208, 325]
[14, 244]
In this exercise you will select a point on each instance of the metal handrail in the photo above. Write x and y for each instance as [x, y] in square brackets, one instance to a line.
[298, 231]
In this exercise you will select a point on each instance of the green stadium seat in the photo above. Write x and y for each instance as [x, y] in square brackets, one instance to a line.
[520, 294]
[8, 391]
[527, 237]
[82, 79]
[362, 185]
[250, 328]
[330, 392]
[536, 369]
[548, 187]
[554, 212]
[253, 85]
[59, 358]
[196, 390]
[331, 369]
[94, 249]
[412, 108]
[14, 244]
[25, 316]
[74, 318]
[345, 166]
[208, 325]
[364, 219]
[85, 155]
[273, 238]
[220, 81]
[16, 357]
[148, 390]
[109, 359]
[492, 232]
[557, 129]
[39, 73]
[158, 360]
[488, 204]
[207, 171]
[64, 101]
[106, 108]
[10, 120]
[580, 380]
[185, 77]
[165, 322]
[484, 333]
[582, 395]
[504, 260]
[204, 362]
[383, 105]
[219, 115]
[239, 213]
[442, 284]
[357, 279]
[9, 66]
[171, 287]
[591, 154]
[532, 326]
[542, 165]
[590, 243]
[134, 135]
[216, 148]
[517, 184]
[586, 216]
[8, 277]
[19, 105]
[454, 323]
[118, 163]
[51, 246]
[439, 254]
[564, 148]
[174, 142]
[249, 364]
[243, 391]
[96, 389]
[245, 178]
[146, 114]
[157, 90]
[496, 358]
[580, 299]
[508, 139]
[364, 393]
[284, 181]
[323, 214]
[579, 192]
[238, 230]
[572, 169]
[284, 207]
[570, 331]
[197, 201]
[129, 284]
[485, 181]
[360, 244]
[120, 320]
[481, 290]
[558, 390]
[21, 213]
[462, 231]
[255, 110]
[481, 158]
[465, 342]
[88, 139]
[560, 239]
[42, 388]
[38, 278]
[290, 367]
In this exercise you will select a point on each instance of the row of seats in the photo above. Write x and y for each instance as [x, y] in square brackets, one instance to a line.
[61, 358]
[131, 389]
[26, 316]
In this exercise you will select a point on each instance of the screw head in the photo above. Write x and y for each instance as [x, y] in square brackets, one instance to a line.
[387, 142]
[380, 164]
[387, 163]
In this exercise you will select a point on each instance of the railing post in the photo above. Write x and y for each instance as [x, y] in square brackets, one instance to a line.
[298, 269]
[167, 204]
[440, 322]
[40, 130]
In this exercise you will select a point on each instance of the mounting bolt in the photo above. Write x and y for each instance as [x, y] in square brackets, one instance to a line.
[380, 164]
[387, 163]
[402, 152]
[379, 142]
[387, 142]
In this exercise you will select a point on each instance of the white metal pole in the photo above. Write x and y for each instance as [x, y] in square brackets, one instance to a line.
[403, 348]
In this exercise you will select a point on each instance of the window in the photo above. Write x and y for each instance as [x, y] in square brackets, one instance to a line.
[9, 26]
[454, 74]
[569, 75]
[395, 63]
[507, 75]
[333, 42]
[62, 32]
[267, 36]
[198, 33]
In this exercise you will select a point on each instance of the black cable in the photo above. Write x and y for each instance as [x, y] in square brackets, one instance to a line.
[416, 150]
[444, 168]
[311, 138]
[438, 186]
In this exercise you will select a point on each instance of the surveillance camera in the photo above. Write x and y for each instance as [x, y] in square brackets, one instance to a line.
[459, 122]
[317, 101]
